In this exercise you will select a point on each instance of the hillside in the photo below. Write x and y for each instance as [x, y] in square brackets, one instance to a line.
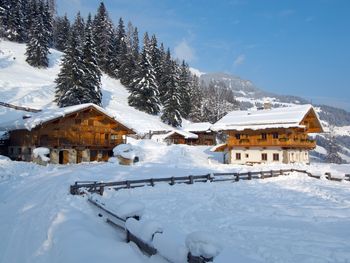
[21, 84]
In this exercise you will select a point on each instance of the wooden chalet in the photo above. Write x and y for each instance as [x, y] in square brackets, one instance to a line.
[277, 135]
[75, 134]
[180, 137]
[202, 129]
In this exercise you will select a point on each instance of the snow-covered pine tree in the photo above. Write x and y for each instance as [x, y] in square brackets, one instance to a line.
[130, 60]
[172, 97]
[166, 67]
[4, 5]
[61, 31]
[332, 148]
[79, 28]
[196, 99]
[184, 82]
[13, 20]
[38, 46]
[111, 56]
[70, 87]
[102, 31]
[48, 23]
[156, 58]
[121, 49]
[92, 76]
[144, 93]
[31, 13]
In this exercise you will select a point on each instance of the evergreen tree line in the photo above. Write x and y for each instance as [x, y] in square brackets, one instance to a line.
[158, 84]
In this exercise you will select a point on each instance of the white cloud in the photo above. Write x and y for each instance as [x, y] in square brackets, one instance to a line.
[183, 51]
[239, 60]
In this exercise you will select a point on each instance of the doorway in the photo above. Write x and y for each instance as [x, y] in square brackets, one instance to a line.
[64, 157]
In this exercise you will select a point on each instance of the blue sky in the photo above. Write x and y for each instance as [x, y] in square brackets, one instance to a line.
[297, 47]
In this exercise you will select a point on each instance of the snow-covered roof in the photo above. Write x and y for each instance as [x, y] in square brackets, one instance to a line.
[286, 117]
[198, 127]
[185, 134]
[46, 115]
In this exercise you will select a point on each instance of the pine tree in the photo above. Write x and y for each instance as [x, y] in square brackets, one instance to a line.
[61, 31]
[332, 148]
[172, 98]
[184, 83]
[144, 94]
[14, 21]
[48, 23]
[38, 46]
[92, 76]
[70, 81]
[166, 71]
[196, 99]
[102, 31]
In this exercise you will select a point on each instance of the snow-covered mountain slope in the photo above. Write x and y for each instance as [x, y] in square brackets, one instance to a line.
[251, 97]
[23, 85]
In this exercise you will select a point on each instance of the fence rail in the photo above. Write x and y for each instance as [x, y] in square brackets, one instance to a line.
[99, 187]
[8, 105]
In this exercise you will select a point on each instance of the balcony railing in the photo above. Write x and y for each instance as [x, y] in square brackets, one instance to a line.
[280, 142]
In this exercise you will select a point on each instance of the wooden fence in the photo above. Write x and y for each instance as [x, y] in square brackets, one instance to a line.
[99, 187]
[8, 105]
[120, 224]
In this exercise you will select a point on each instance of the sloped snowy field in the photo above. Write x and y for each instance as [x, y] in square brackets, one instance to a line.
[285, 219]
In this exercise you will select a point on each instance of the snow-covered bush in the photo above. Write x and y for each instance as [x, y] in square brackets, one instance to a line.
[203, 244]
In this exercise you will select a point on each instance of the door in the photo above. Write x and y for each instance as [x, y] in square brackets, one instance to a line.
[64, 157]
[79, 156]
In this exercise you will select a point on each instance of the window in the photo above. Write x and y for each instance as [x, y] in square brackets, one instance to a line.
[275, 135]
[276, 157]
[238, 136]
[246, 155]
[263, 136]
[264, 156]
[114, 137]
[29, 150]
[238, 156]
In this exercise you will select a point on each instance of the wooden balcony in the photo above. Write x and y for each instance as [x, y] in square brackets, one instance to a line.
[280, 142]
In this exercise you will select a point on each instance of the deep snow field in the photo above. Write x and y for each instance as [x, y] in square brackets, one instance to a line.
[285, 219]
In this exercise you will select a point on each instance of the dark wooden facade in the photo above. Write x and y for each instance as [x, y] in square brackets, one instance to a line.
[84, 135]
[204, 138]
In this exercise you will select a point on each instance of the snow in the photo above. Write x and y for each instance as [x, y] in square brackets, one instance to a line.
[285, 117]
[129, 208]
[143, 229]
[185, 134]
[125, 150]
[42, 152]
[198, 127]
[201, 243]
[196, 72]
[285, 219]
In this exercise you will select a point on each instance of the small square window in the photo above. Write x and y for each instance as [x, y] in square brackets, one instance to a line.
[264, 136]
[238, 156]
[275, 135]
[276, 157]
[238, 136]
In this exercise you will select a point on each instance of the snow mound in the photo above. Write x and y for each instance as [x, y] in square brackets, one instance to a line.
[42, 152]
[125, 150]
[201, 243]
[144, 229]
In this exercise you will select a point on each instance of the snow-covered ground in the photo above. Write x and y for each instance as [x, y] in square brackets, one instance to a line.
[285, 219]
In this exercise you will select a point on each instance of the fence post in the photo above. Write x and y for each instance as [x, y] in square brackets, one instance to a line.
[249, 176]
[101, 190]
[172, 180]
[237, 177]
[329, 176]
[190, 178]
[271, 173]
[127, 184]
[152, 182]
[281, 172]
